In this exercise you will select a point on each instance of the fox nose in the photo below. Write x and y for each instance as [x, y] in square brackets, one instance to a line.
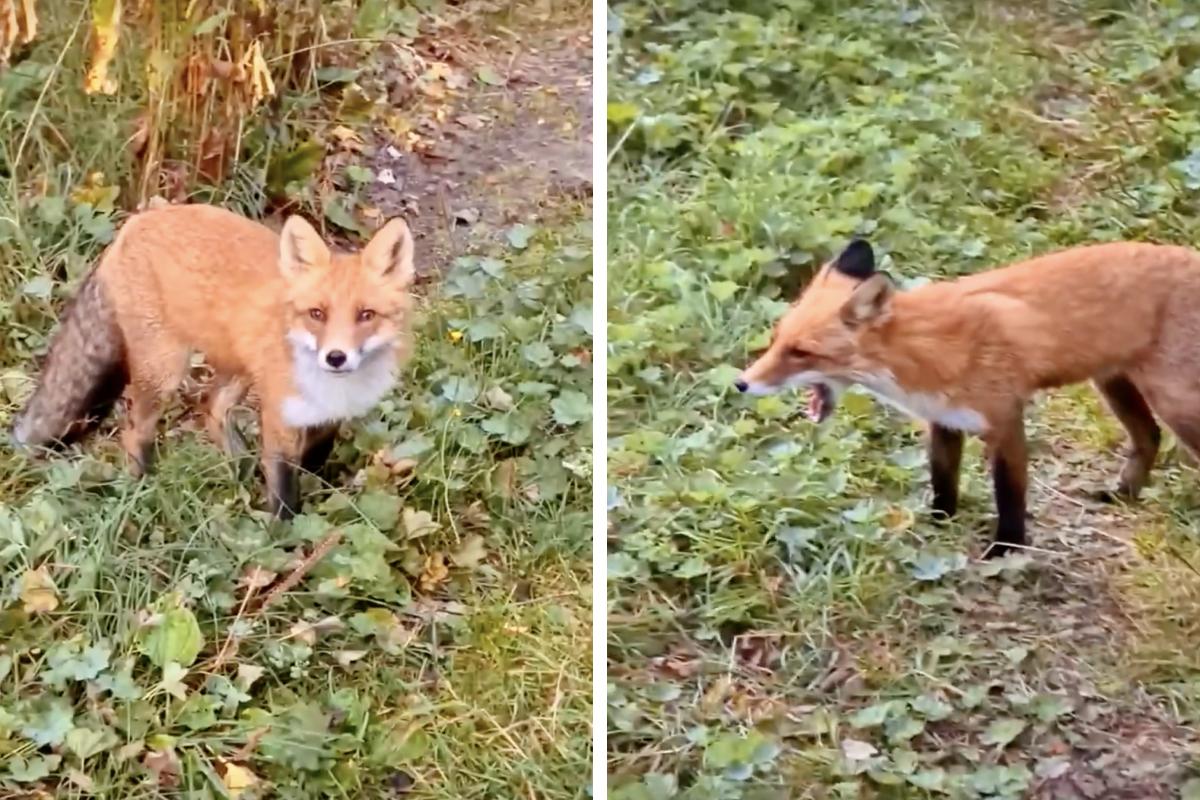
[741, 385]
[335, 358]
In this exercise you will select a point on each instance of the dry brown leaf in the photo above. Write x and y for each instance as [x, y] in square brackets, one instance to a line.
[261, 84]
[347, 138]
[256, 577]
[106, 30]
[38, 593]
[434, 573]
[164, 766]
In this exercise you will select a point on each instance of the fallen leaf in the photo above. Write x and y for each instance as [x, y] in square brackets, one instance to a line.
[237, 779]
[247, 674]
[164, 766]
[471, 552]
[386, 177]
[255, 577]
[498, 399]
[348, 657]
[38, 593]
[856, 750]
[80, 779]
[434, 573]
[418, 523]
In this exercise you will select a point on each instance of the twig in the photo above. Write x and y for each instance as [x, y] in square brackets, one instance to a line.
[302, 569]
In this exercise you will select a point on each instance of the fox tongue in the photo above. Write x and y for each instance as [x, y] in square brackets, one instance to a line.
[816, 404]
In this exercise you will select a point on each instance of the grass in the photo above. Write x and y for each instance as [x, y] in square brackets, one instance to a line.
[784, 619]
[439, 645]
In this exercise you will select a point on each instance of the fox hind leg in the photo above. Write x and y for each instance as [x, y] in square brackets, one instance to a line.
[153, 376]
[1130, 407]
[227, 392]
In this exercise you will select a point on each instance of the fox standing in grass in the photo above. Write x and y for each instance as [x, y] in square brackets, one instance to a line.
[316, 335]
[966, 355]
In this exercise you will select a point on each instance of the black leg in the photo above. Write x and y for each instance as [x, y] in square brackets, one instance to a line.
[945, 460]
[283, 488]
[318, 445]
[1009, 476]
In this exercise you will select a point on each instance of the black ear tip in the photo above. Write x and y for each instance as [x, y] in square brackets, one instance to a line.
[857, 260]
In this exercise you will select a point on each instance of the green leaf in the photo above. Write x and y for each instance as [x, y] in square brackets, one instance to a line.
[176, 638]
[24, 770]
[212, 22]
[1002, 731]
[87, 742]
[294, 166]
[621, 113]
[301, 738]
[538, 354]
[459, 390]
[338, 211]
[488, 75]
[871, 716]
[381, 508]
[518, 236]
[571, 408]
[49, 723]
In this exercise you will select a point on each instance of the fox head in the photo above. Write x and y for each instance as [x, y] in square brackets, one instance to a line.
[824, 340]
[345, 308]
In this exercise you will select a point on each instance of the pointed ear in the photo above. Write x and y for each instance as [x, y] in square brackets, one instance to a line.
[300, 248]
[856, 261]
[390, 252]
[870, 301]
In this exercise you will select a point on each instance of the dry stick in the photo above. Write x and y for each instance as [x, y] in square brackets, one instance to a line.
[303, 568]
[229, 649]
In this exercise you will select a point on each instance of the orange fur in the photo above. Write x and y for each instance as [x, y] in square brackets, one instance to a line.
[270, 312]
[968, 354]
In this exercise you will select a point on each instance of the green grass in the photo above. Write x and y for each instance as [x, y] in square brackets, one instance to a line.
[440, 649]
[784, 619]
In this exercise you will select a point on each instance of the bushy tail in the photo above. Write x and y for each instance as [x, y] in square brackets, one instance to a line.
[83, 375]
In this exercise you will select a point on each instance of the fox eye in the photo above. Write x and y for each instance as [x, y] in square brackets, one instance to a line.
[317, 313]
[798, 352]
[366, 315]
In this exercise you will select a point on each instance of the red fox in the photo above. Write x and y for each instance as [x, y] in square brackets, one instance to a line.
[317, 336]
[966, 355]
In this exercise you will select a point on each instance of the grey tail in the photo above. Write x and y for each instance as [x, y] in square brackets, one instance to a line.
[84, 373]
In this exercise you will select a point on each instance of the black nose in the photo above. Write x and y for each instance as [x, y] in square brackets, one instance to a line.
[741, 386]
[335, 358]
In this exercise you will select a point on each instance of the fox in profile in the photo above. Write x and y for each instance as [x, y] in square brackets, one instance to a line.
[966, 355]
[316, 335]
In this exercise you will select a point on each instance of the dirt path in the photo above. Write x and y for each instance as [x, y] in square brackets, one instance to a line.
[1084, 612]
[502, 137]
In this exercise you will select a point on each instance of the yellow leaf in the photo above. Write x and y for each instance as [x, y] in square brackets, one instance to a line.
[106, 30]
[261, 84]
[38, 592]
[238, 779]
[434, 573]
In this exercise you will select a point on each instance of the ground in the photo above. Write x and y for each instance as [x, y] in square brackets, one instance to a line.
[423, 630]
[785, 619]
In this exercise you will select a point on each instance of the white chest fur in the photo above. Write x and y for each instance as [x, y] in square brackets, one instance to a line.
[324, 397]
[925, 406]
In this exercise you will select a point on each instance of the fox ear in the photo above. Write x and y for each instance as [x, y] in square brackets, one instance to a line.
[869, 301]
[856, 261]
[300, 248]
[390, 252]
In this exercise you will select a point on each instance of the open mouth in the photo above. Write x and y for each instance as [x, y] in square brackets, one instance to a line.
[820, 402]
